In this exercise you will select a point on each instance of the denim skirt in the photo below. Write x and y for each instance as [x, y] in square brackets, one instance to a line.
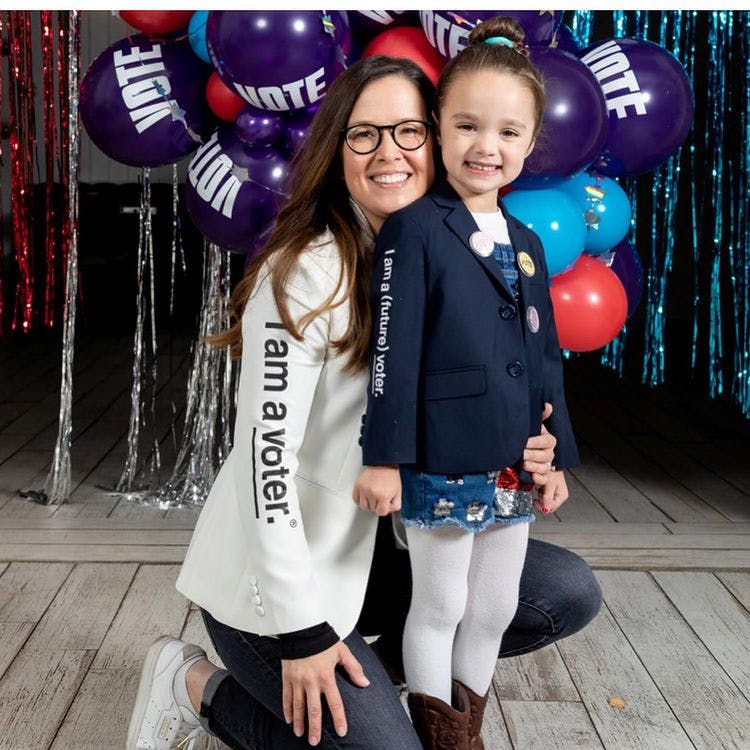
[472, 501]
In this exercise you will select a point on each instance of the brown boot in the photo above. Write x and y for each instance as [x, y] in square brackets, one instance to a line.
[438, 725]
[477, 704]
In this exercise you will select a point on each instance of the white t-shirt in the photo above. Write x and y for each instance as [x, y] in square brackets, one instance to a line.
[494, 224]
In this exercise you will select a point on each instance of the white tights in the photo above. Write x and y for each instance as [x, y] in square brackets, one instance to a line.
[465, 594]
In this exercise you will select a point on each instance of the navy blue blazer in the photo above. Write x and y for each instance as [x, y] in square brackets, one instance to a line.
[459, 370]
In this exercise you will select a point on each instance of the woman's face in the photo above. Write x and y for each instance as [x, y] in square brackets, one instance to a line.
[389, 178]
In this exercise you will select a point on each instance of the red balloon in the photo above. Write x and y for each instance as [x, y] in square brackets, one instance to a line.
[409, 42]
[157, 21]
[224, 103]
[590, 305]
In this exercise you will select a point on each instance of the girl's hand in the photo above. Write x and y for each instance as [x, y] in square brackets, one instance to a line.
[378, 488]
[553, 494]
[540, 452]
[303, 681]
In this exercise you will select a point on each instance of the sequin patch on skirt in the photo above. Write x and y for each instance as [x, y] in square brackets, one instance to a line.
[472, 501]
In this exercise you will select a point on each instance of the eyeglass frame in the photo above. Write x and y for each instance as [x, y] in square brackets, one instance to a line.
[380, 129]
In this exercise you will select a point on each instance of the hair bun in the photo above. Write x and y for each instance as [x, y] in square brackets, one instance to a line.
[498, 26]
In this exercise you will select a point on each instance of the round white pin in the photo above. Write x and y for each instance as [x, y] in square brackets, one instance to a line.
[532, 318]
[482, 244]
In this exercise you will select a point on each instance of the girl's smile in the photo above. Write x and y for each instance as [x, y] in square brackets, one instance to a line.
[486, 128]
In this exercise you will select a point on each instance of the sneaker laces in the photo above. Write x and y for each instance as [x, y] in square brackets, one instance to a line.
[192, 741]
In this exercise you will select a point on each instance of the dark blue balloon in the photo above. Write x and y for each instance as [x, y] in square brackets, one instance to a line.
[448, 30]
[143, 101]
[232, 190]
[278, 60]
[566, 40]
[649, 99]
[574, 125]
[257, 127]
[297, 128]
[371, 22]
[627, 265]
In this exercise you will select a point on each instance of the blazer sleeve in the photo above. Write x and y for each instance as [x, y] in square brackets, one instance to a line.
[566, 451]
[278, 378]
[397, 296]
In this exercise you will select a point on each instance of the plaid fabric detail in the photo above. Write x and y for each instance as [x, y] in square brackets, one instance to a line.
[506, 259]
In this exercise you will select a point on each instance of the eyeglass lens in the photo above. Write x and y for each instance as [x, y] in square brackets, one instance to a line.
[408, 135]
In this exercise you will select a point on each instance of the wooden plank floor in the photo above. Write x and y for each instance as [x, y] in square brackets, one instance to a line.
[660, 507]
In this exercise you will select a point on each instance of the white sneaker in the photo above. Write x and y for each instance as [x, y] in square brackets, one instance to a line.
[159, 722]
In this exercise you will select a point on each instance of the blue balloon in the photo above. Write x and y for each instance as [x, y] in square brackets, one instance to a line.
[556, 218]
[537, 181]
[606, 210]
[197, 34]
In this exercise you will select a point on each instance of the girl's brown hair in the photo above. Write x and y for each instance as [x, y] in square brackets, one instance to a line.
[319, 200]
[479, 55]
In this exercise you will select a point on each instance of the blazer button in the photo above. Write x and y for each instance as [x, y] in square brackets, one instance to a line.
[514, 368]
[507, 312]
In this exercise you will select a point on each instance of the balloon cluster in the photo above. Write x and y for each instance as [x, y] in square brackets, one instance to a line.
[617, 108]
[237, 90]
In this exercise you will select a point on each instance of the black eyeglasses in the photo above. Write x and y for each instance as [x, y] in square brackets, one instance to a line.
[408, 135]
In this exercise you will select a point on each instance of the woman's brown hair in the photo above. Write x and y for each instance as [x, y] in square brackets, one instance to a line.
[479, 55]
[319, 200]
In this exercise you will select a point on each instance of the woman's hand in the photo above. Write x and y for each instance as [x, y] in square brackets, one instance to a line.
[540, 452]
[553, 494]
[303, 681]
[378, 488]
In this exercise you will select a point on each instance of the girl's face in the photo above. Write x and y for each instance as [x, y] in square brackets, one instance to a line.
[389, 178]
[485, 130]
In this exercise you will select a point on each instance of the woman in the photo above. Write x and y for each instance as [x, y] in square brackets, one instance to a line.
[280, 556]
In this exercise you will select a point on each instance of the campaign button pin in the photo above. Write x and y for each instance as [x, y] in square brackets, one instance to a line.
[482, 244]
[532, 318]
[525, 263]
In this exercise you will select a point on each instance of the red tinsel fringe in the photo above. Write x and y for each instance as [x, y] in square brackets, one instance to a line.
[22, 129]
[2, 227]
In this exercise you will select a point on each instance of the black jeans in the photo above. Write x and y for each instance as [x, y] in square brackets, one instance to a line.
[243, 706]
[559, 595]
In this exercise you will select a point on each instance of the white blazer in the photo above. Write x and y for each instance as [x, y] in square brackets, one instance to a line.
[279, 545]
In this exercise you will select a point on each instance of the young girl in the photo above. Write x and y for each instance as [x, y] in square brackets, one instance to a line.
[464, 355]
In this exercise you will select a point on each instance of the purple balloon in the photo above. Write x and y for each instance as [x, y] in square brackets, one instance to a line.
[143, 102]
[258, 128]
[448, 30]
[297, 128]
[650, 103]
[628, 267]
[574, 125]
[566, 40]
[371, 22]
[232, 190]
[277, 60]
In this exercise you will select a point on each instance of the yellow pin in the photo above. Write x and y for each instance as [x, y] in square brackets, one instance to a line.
[526, 264]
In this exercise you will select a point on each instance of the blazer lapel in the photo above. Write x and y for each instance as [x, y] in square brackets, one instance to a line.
[462, 224]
